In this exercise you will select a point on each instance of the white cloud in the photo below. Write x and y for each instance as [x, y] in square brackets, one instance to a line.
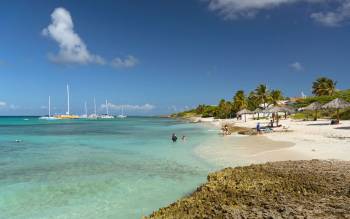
[235, 9]
[72, 48]
[297, 66]
[3, 104]
[129, 62]
[145, 107]
[334, 18]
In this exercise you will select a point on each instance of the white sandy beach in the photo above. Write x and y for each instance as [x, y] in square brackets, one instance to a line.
[305, 140]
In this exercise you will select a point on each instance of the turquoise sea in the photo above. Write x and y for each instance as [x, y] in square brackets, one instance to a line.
[122, 168]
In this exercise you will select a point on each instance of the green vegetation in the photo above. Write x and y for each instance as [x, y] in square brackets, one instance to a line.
[343, 94]
[239, 101]
[228, 109]
[344, 115]
[323, 88]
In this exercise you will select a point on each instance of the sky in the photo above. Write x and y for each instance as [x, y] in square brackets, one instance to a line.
[157, 57]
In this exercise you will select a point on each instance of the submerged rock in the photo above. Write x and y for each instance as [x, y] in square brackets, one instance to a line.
[289, 189]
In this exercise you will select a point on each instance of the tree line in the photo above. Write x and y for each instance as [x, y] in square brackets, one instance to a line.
[261, 97]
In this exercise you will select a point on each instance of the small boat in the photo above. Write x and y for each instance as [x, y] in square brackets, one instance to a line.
[122, 116]
[106, 116]
[49, 117]
[85, 116]
[94, 116]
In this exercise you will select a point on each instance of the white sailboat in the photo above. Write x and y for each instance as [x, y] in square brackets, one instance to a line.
[94, 116]
[67, 115]
[122, 116]
[107, 116]
[85, 116]
[49, 117]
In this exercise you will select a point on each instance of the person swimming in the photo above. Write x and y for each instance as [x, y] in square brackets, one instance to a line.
[174, 137]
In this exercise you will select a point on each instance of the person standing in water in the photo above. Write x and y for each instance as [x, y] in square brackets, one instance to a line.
[174, 137]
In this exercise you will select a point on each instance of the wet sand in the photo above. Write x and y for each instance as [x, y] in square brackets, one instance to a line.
[242, 150]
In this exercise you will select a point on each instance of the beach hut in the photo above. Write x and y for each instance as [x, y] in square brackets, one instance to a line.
[337, 104]
[315, 106]
[244, 112]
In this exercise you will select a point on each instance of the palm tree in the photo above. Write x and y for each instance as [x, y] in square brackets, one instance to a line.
[200, 109]
[252, 102]
[239, 101]
[224, 109]
[262, 94]
[324, 87]
[275, 96]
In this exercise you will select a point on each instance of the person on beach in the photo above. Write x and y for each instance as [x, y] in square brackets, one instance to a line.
[271, 123]
[225, 130]
[258, 129]
[183, 138]
[174, 137]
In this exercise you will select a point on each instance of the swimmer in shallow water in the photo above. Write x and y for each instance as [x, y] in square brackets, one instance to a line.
[174, 137]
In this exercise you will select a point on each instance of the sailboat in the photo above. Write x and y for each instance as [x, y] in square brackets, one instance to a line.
[122, 116]
[94, 116]
[107, 116]
[67, 115]
[49, 117]
[84, 116]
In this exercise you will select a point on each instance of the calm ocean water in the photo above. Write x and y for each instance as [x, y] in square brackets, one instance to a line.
[96, 169]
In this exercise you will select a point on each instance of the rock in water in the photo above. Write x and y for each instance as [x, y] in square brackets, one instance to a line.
[289, 189]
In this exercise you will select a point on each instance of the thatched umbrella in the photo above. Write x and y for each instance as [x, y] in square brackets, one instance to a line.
[315, 106]
[258, 111]
[244, 112]
[337, 104]
[284, 109]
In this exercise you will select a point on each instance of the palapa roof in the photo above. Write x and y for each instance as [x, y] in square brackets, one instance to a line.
[313, 106]
[336, 104]
[277, 109]
[244, 111]
[258, 110]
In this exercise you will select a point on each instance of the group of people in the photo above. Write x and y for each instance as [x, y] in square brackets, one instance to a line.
[174, 137]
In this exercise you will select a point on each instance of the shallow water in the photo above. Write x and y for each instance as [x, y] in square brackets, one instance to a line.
[96, 169]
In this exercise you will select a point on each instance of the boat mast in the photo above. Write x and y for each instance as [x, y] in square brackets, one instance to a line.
[86, 109]
[107, 107]
[68, 113]
[95, 106]
[49, 106]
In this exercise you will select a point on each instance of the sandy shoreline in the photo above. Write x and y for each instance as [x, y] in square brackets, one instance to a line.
[304, 140]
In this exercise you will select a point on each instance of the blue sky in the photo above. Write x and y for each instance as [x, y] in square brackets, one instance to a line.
[159, 56]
